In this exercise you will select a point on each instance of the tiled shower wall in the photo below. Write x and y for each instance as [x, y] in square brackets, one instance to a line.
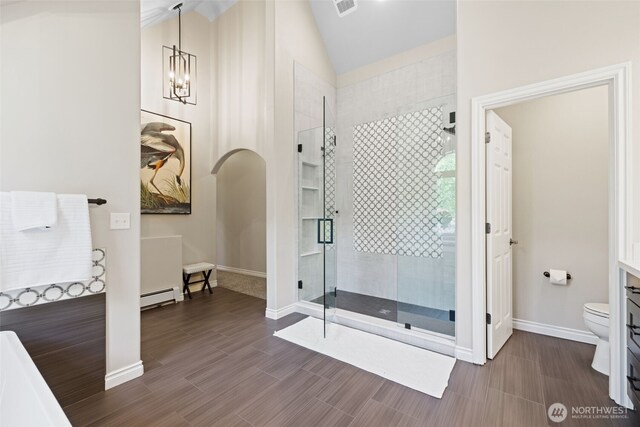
[426, 281]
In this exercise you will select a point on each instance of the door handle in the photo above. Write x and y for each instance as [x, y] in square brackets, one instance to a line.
[325, 230]
[632, 326]
[632, 378]
[633, 289]
[512, 242]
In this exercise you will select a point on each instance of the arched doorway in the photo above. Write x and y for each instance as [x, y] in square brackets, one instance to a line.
[241, 223]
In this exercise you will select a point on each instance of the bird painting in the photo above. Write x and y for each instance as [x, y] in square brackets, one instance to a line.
[163, 165]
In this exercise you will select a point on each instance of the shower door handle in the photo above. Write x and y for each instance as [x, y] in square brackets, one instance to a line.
[325, 231]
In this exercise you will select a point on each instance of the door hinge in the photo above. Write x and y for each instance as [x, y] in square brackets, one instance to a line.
[487, 137]
[299, 148]
[452, 315]
[335, 292]
[487, 228]
[488, 318]
[335, 141]
[299, 284]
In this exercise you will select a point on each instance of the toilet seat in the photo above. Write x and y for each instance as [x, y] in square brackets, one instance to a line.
[597, 309]
[596, 319]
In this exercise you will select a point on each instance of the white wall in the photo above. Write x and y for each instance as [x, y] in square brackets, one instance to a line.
[242, 213]
[502, 45]
[560, 204]
[297, 40]
[198, 229]
[420, 78]
[239, 79]
[70, 101]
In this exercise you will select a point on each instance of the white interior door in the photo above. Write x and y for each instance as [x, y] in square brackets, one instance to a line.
[499, 209]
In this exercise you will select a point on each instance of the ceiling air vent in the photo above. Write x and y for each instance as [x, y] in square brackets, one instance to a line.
[345, 7]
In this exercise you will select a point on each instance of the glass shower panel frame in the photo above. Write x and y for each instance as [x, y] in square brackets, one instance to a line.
[327, 227]
[425, 222]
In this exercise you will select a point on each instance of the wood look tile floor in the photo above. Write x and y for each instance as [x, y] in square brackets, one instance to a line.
[213, 361]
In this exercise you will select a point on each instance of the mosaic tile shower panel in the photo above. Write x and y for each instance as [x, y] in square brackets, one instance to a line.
[330, 177]
[27, 297]
[395, 185]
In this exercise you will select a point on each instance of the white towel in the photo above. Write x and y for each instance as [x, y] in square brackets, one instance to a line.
[40, 257]
[31, 209]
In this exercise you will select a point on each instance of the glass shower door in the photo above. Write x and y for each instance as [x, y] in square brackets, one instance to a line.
[327, 225]
[317, 249]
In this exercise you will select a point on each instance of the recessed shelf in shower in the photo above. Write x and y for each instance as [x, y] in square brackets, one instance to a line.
[310, 253]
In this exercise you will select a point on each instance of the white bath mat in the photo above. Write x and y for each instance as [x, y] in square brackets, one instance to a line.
[414, 367]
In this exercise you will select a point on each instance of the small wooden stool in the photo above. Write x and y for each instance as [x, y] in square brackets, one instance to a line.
[200, 267]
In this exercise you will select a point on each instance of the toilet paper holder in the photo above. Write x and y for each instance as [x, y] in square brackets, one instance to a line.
[546, 274]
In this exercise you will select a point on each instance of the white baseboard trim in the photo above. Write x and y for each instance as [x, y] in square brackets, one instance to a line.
[123, 375]
[177, 294]
[280, 313]
[555, 331]
[242, 271]
[463, 353]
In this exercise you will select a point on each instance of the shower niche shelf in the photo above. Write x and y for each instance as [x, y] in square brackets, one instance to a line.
[310, 253]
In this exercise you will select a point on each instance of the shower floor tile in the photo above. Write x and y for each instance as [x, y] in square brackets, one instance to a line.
[428, 318]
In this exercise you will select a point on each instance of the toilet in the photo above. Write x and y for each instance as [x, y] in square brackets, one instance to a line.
[596, 318]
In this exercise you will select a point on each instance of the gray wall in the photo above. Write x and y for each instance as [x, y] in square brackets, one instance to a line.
[70, 111]
[560, 204]
[242, 212]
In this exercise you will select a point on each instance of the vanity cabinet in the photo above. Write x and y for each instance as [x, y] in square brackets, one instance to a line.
[633, 338]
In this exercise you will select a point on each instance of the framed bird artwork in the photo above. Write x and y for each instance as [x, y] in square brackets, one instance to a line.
[165, 164]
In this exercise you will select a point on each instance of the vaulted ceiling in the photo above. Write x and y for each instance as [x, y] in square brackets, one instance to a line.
[154, 11]
[376, 30]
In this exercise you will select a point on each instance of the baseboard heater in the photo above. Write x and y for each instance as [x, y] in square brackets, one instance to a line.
[160, 270]
[153, 299]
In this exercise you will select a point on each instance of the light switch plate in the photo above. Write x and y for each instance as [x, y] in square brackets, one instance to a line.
[120, 221]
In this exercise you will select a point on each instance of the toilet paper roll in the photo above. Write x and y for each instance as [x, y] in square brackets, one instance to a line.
[558, 277]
